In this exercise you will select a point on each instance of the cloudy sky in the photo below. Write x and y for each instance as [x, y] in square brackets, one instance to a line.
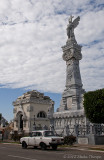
[32, 33]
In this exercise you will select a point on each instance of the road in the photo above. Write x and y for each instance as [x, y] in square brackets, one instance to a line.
[15, 152]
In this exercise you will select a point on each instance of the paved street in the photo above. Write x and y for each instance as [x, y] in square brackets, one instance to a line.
[15, 152]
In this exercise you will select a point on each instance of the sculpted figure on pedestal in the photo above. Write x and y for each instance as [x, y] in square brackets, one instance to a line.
[71, 26]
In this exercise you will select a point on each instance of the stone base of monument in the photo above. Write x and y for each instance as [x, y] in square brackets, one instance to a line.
[91, 139]
[96, 139]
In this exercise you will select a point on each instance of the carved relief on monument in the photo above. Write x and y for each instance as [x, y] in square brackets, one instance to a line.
[75, 100]
[69, 75]
[77, 120]
[72, 53]
[70, 121]
[82, 121]
[77, 54]
[69, 103]
[77, 71]
[67, 55]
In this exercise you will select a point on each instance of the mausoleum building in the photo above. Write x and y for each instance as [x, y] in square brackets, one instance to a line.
[31, 111]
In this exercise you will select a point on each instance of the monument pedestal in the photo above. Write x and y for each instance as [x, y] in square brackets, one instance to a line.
[91, 139]
[96, 139]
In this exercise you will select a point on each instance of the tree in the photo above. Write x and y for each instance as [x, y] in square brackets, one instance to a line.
[94, 106]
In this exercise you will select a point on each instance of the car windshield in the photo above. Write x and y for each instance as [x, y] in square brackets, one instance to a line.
[36, 134]
[48, 133]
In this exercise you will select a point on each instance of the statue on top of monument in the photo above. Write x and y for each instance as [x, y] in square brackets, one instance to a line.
[71, 26]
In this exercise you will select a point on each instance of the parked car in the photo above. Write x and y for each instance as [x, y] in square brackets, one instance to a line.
[42, 139]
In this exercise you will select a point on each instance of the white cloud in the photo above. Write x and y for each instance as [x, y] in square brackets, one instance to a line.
[91, 27]
[31, 35]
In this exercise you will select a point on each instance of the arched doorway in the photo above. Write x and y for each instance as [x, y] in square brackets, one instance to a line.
[21, 122]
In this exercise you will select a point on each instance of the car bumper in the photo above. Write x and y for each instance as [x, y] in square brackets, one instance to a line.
[61, 143]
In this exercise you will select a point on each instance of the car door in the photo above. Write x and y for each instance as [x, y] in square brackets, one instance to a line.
[32, 140]
[38, 138]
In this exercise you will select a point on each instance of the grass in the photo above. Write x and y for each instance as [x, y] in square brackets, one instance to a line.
[99, 149]
[65, 145]
[13, 142]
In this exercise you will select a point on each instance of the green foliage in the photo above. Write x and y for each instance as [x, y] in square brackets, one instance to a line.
[16, 136]
[94, 106]
[69, 140]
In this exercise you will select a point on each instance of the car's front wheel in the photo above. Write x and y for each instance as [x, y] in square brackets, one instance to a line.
[43, 146]
[24, 145]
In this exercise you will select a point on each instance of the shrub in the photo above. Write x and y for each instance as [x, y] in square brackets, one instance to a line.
[69, 140]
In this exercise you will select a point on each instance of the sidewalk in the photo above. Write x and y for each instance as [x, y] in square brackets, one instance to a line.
[99, 148]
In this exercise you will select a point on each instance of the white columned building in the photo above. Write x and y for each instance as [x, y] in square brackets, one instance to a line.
[31, 111]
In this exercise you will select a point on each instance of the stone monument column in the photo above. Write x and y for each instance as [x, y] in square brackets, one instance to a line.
[72, 96]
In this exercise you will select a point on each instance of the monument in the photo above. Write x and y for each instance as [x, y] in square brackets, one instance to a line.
[71, 111]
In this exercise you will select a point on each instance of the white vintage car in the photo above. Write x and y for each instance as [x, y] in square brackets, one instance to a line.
[43, 139]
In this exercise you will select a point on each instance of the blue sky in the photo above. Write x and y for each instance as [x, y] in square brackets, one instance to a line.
[7, 96]
[31, 36]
